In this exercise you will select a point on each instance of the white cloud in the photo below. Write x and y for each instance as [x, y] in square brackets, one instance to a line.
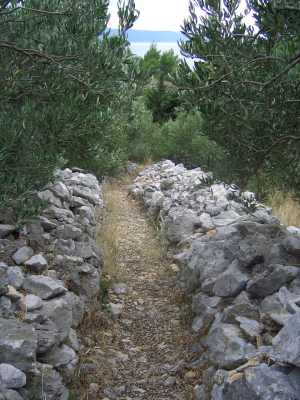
[156, 14]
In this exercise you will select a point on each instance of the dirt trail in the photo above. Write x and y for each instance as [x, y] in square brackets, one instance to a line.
[146, 352]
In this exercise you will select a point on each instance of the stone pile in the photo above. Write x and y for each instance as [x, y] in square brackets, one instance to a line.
[49, 274]
[242, 269]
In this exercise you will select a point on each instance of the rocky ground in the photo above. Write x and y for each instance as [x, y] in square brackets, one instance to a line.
[147, 350]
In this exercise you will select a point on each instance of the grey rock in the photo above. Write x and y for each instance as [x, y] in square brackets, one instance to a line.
[77, 308]
[252, 328]
[116, 310]
[11, 377]
[73, 341]
[198, 324]
[59, 214]
[206, 222]
[32, 302]
[18, 343]
[50, 380]
[47, 335]
[22, 255]
[59, 356]
[287, 342]
[65, 247]
[48, 196]
[59, 311]
[231, 282]
[226, 346]
[47, 225]
[10, 394]
[86, 193]
[241, 307]
[68, 231]
[15, 277]
[271, 280]
[180, 224]
[60, 190]
[6, 230]
[120, 288]
[37, 263]
[6, 307]
[261, 383]
[43, 286]
[292, 245]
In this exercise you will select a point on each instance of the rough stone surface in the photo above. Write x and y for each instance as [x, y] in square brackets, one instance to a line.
[43, 286]
[37, 263]
[11, 377]
[18, 343]
[22, 255]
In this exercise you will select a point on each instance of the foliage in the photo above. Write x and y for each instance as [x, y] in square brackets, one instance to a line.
[160, 94]
[183, 141]
[246, 84]
[63, 81]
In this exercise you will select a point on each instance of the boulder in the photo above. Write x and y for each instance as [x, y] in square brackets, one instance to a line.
[43, 286]
[226, 346]
[48, 196]
[15, 277]
[50, 380]
[32, 302]
[37, 263]
[292, 245]
[271, 280]
[287, 342]
[23, 254]
[11, 377]
[59, 311]
[231, 282]
[18, 344]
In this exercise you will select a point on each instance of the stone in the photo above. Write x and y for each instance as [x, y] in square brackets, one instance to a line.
[18, 344]
[242, 306]
[86, 193]
[6, 307]
[65, 247]
[198, 324]
[261, 383]
[37, 263]
[226, 346]
[49, 197]
[59, 214]
[271, 280]
[47, 335]
[6, 230]
[292, 245]
[116, 310]
[59, 356]
[60, 190]
[50, 380]
[43, 286]
[252, 328]
[231, 282]
[32, 302]
[59, 311]
[22, 255]
[47, 225]
[73, 341]
[15, 277]
[13, 294]
[226, 218]
[119, 288]
[180, 224]
[272, 307]
[287, 342]
[68, 231]
[11, 377]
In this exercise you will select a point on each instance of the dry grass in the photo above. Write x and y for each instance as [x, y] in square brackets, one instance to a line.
[286, 208]
[107, 237]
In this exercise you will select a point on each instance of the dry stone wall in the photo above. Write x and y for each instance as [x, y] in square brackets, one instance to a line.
[49, 274]
[242, 268]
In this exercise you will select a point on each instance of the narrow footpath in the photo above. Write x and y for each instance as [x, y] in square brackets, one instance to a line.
[141, 346]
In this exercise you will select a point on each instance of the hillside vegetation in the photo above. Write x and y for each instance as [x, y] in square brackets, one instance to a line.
[72, 94]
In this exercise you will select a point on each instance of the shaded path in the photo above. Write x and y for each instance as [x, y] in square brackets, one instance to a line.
[143, 353]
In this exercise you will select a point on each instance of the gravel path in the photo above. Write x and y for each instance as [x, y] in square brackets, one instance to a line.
[144, 348]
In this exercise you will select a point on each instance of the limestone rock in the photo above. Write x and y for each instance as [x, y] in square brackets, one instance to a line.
[18, 344]
[37, 263]
[11, 377]
[22, 255]
[43, 286]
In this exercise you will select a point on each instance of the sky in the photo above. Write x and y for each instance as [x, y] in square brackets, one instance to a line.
[161, 15]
